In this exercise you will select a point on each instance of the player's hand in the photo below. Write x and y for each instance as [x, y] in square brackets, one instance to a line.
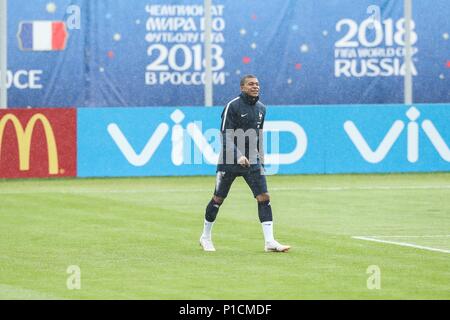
[243, 161]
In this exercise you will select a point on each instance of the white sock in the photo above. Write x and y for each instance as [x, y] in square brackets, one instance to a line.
[267, 227]
[207, 227]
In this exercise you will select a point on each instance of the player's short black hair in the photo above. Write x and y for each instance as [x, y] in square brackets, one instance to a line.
[247, 76]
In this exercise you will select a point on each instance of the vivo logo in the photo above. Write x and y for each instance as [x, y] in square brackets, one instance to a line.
[181, 142]
[391, 137]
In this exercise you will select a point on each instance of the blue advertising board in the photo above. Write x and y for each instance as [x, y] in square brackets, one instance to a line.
[157, 141]
[150, 53]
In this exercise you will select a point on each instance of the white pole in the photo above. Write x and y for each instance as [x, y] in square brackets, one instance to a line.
[408, 90]
[208, 62]
[3, 53]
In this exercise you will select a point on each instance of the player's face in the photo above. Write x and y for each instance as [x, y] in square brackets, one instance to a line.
[251, 87]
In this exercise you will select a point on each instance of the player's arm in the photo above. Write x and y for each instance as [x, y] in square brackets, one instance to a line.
[261, 146]
[229, 125]
[261, 140]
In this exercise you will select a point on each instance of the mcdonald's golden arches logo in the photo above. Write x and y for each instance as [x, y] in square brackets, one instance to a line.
[24, 136]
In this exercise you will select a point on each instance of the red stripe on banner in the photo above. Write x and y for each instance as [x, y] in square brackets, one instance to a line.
[59, 36]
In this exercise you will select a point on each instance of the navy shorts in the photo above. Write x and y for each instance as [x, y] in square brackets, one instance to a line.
[255, 180]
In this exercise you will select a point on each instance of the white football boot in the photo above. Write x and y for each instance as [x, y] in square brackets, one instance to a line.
[207, 244]
[275, 246]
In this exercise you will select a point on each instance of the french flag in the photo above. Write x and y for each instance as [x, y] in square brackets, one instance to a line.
[43, 35]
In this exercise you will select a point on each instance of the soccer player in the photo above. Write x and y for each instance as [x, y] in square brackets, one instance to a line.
[242, 155]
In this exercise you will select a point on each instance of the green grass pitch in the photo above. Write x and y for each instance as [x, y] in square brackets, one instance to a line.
[138, 239]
